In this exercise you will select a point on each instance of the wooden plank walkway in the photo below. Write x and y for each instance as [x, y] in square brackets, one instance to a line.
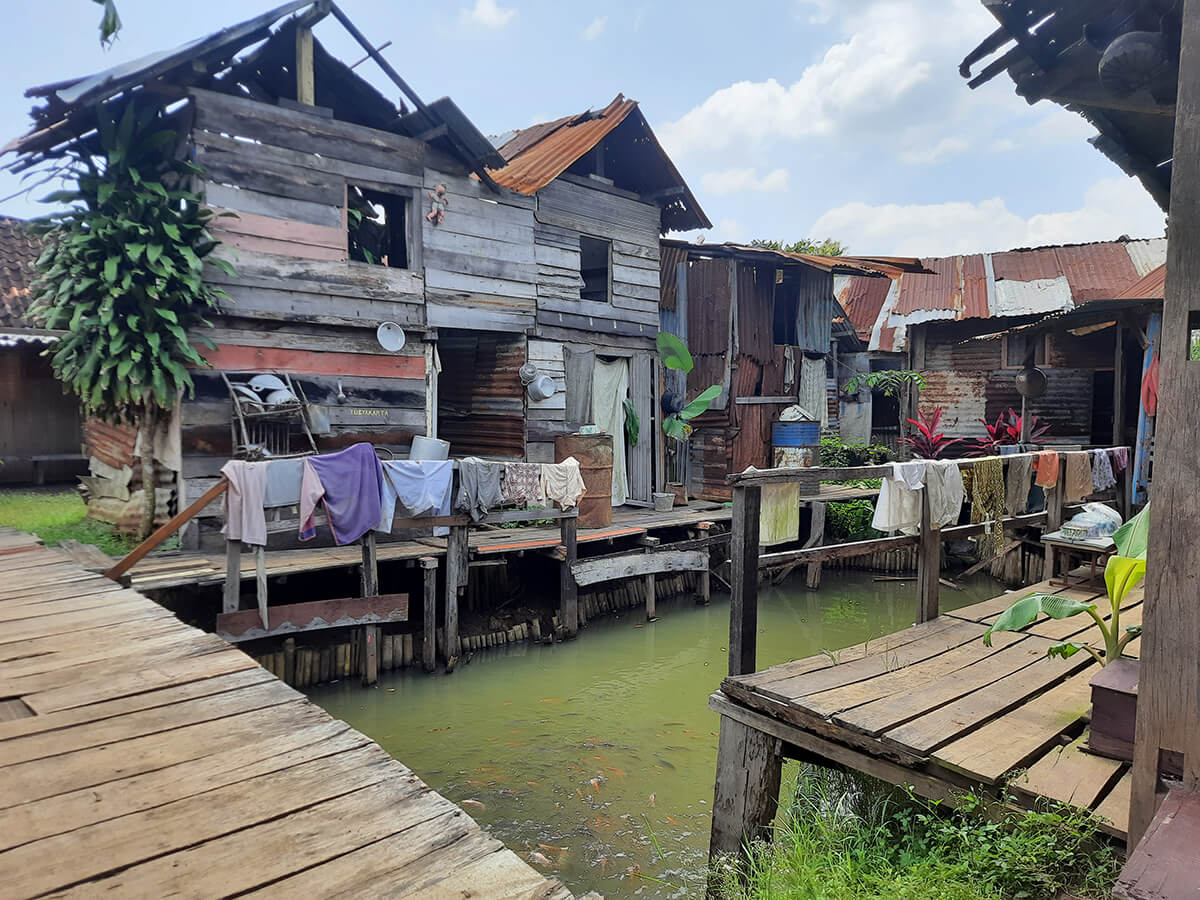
[172, 570]
[933, 707]
[144, 757]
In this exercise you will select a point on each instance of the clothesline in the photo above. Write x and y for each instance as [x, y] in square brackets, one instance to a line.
[360, 493]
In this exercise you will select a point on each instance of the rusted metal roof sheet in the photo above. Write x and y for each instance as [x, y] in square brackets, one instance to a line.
[19, 249]
[535, 156]
[887, 266]
[1151, 286]
[1035, 281]
[861, 298]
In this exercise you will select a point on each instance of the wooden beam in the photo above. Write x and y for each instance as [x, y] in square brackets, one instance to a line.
[746, 795]
[369, 571]
[568, 589]
[316, 615]
[635, 565]
[370, 638]
[457, 572]
[232, 591]
[929, 565]
[305, 89]
[1118, 432]
[743, 611]
[1168, 715]
[429, 567]
[138, 553]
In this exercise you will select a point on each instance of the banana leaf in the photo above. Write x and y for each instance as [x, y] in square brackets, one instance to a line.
[1131, 538]
[1025, 612]
[674, 352]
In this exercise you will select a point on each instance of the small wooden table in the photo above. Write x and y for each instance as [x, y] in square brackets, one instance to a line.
[1093, 552]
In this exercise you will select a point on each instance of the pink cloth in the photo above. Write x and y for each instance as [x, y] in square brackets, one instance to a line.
[245, 519]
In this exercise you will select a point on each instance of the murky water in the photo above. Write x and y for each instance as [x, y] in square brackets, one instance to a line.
[595, 759]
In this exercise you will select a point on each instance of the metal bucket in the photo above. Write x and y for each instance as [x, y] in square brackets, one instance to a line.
[595, 455]
[428, 448]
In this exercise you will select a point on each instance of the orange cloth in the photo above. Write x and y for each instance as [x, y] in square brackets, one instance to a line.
[1047, 469]
[1150, 387]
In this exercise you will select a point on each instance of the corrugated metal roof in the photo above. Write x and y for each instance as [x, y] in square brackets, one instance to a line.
[1151, 286]
[994, 285]
[871, 266]
[537, 155]
[861, 298]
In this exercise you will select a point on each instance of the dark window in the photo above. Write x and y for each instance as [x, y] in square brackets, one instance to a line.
[377, 227]
[1023, 349]
[595, 268]
[786, 311]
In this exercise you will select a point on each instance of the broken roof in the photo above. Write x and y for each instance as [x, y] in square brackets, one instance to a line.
[1022, 282]
[265, 73]
[536, 155]
[1055, 50]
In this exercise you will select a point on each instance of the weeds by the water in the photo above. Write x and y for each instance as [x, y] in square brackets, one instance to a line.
[850, 838]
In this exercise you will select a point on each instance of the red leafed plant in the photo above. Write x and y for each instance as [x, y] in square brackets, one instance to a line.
[1007, 430]
[928, 442]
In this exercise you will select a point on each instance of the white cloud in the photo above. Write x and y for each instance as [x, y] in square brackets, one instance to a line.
[487, 14]
[731, 181]
[943, 149]
[728, 230]
[1111, 207]
[595, 28]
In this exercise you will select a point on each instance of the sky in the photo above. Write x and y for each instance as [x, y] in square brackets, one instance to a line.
[788, 119]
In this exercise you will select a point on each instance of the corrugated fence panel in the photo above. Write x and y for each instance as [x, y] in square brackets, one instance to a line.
[755, 311]
[814, 328]
[708, 306]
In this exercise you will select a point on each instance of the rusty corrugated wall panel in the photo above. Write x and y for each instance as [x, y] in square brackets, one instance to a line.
[1066, 406]
[1089, 351]
[708, 306]
[668, 265]
[481, 401]
[814, 330]
[113, 445]
[755, 311]
[962, 397]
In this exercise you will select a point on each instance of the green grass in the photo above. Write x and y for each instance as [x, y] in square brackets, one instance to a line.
[56, 516]
[850, 838]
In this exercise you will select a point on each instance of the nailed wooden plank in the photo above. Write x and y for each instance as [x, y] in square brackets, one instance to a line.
[1014, 738]
[315, 615]
[1069, 775]
[1113, 810]
[637, 564]
[228, 197]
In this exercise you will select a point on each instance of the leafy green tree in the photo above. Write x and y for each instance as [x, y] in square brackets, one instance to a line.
[121, 275]
[827, 247]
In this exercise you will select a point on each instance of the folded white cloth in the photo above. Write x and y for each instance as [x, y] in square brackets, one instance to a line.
[943, 481]
[899, 503]
[562, 482]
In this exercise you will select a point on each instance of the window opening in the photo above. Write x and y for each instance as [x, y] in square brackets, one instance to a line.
[377, 227]
[595, 268]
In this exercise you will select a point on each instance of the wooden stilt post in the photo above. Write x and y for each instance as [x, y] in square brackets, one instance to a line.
[743, 610]
[650, 543]
[370, 654]
[260, 584]
[369, 574]
[456, 577]
[289, 660]
[929, 565]
[233, 576]
[568, 590]
[429, 638]
[749, 767]
[1118, 432]
[305, 92]
[1054, 517]
[705, 577]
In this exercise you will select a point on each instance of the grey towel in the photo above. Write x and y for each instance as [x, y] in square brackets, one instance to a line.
[1016, 493]
[478, 487]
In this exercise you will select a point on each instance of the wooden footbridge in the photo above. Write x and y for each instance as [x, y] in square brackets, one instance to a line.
[144, 757]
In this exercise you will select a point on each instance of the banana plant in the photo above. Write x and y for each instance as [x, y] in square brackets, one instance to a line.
[675, 356]
[1123, 572]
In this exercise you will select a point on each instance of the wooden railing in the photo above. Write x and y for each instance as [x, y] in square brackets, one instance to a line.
[747, 559]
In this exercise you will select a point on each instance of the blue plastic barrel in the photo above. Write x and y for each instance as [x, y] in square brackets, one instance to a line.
[795, 434]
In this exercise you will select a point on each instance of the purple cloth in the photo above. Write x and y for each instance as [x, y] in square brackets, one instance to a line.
[350, 483]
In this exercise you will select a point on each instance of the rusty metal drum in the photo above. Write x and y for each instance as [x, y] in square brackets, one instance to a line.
[595, 455]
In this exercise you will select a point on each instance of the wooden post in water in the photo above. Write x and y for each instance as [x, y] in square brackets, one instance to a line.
[428, 641]
[929, 564]
[749, 767]
[260, 585]
[289, 660]
[370, 654]
[743, 610]
[705, 578]
[369, 573]
[233, 576]
[650, 543]
[456, 577]
[568, 590]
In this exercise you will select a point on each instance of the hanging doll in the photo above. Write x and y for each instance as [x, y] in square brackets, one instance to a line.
[438, 201]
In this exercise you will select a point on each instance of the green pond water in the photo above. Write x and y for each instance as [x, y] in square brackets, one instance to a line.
[594, 759]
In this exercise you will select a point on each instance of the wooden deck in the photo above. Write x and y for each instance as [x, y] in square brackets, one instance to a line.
[144, 757]
[934, 708]
[172, 570]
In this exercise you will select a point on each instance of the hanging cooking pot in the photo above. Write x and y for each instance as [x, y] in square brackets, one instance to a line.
[541, 388]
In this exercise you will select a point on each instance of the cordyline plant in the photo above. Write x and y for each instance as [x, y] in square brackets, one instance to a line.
[675, 356]
[1007, 431]
[928, 442]
[121, 275]
[1123, 573]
